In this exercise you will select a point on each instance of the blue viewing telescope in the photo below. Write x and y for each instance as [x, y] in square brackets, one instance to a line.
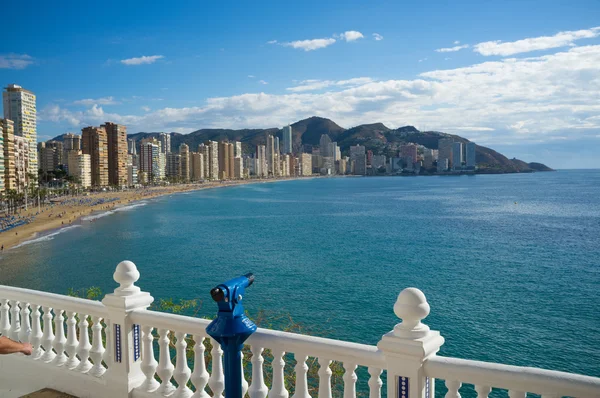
[231, 328]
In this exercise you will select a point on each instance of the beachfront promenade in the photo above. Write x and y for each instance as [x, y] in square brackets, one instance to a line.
[117, 348]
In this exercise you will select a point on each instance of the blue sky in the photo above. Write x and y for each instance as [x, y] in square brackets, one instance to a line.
[522, 77]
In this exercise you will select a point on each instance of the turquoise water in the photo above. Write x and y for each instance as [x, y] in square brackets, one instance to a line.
[510, 264]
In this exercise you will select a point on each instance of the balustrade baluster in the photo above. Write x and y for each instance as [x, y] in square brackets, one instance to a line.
[200, 375]
[349, 380]
[4, 318]
[182, 370]
[278, 389]
[482, 391]
[83, 350]
[324, 378]
[15, 325]
[25, 324]
[244, 381]
[258, 388]
[48, 336]
[36, 332]
[59, 341]
[97, 350]
[109, 348]
[375, 383]
[216, 382]
[453, 387]
[71, 346]
[517, 394]
[301, 369]
[165, 367]
[149, 363]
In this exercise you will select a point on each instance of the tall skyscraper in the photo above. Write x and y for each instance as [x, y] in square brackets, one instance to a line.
[445, 150]
[21, 163]
[173, 165]
[287, 139]
[2, 174]
[325, 147]
[184, 151]
[203, 149]
[457, 155]
[358, 158]
[8, 137]
[116, 136]
[306, 164]
[408, 153]
[271, 154]
[79, 166]
[165, 142]
[238, 149]
[213, 160]
[261, 167]
[230, 158]
[150, 159]
[224, 163]
[94, 143]
[19, 106]
[471, 162]
[197, 166]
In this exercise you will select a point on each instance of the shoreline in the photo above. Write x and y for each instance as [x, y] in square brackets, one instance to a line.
[55, 217]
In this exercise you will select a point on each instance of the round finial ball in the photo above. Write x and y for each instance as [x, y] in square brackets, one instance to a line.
[126, 274]
[411, 305]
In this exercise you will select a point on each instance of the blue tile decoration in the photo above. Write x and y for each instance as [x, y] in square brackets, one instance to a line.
[427, 388]
[402, 387]
[117, 343]
[136, 342]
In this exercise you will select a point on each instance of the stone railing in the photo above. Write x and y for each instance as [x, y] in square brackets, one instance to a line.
[118, 348]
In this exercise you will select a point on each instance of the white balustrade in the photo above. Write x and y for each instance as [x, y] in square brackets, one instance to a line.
[407, 353]
[278, 389]
[375, 382]
[182, 371]
[149, 364]
[72, 343]
[48, 336]
[350, 379]
[258, 388]
[324, 378]
[25, 331]
[199, 376]
[301, 369]
[4, 318]
[60, 340]
[36, 332]
[83, 350]
[244, 381]
[97, 349]
[15, 325]
[216, 382]
[165, 367]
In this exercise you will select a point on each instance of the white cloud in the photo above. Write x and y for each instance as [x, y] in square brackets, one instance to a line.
[251, 76]
[452, 49]
[351, 35]
[263, 82]
[561, 39]
[272, 42]
[145, 108]
[424, 59]
[15, 61]
[456, 42]
[99, 101]
[142, 60]
[309, 45]
[377, 36]
[526, 100]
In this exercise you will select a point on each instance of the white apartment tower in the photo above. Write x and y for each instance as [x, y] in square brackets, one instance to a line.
[287, 139]
[19, 106]
[213, 160]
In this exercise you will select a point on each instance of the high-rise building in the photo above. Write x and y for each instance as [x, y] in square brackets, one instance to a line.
[8, 138]
[150, 160]
[238, 149]
[184, 151]
[224, 161]
[94, 143]
[204, 150]
[427, 158]
[369, 157]
[378, 161]
[306, 164]
[79, 166]
[471, 163]
[342, 166]
[197, 166]
[165, 142]
[213, 160]
[358, 158]
[261, 166]
[287, 139]
[230, 158]
[238, 168]
[445, 150]
[72, 142]
[408, 153]
[325, 147]
[271, 160]
[2, 173]
[442, 165]
[457, 155]
[116, 136]
[19, 106]
[21, 149]
[173, 165]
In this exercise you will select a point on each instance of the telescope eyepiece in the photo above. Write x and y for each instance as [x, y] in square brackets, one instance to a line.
[217, 294]
[250, 277]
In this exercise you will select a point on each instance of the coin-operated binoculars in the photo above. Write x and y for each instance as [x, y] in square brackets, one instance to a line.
[231, 328]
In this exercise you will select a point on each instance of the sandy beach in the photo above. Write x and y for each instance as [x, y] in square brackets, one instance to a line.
[69, 209]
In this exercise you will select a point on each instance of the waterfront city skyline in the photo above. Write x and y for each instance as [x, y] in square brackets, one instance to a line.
[527, 90]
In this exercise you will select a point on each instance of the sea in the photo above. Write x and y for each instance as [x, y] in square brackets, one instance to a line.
[510, 264]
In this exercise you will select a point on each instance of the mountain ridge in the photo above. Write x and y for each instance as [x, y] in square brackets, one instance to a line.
[374, 136]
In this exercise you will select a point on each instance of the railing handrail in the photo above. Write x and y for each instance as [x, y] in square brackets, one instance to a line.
[515, 378]
[57, 301]
[337, 350]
